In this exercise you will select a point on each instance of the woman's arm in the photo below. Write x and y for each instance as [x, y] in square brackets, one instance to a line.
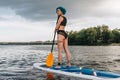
[58, 23]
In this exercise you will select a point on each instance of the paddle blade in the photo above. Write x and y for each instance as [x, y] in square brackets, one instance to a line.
[50, 60]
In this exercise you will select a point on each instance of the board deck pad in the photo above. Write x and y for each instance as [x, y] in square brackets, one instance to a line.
[76, 70]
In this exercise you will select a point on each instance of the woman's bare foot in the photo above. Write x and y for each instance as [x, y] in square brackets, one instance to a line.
[69, 64]
[59, 65]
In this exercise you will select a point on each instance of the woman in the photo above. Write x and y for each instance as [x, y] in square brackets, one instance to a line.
[62, 37]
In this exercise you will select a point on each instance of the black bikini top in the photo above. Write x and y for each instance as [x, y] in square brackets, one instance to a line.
[64, 22]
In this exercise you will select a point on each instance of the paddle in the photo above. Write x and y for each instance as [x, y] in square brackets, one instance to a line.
[50, 57]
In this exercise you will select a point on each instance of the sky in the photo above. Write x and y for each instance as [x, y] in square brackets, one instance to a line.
[34, 20]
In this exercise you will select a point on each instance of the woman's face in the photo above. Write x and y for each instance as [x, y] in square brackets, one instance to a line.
[59, 12]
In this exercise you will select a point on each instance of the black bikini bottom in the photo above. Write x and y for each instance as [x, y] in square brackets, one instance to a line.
[62, 32]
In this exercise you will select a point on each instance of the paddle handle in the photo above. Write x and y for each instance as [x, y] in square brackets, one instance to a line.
[53, 41]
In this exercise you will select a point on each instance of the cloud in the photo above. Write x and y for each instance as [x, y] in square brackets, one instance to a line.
[22, 30]
[45, 9]
[2, 19]
[27, 20]
[34, 9]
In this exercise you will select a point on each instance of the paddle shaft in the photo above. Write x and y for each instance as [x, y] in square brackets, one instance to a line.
[53, 41]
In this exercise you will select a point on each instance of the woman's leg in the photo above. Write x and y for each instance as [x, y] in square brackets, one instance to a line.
[65, 44]
[60, 39]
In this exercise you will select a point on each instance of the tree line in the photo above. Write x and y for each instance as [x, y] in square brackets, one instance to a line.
[94, 36]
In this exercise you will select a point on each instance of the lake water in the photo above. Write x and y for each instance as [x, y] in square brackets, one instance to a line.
[16, 61]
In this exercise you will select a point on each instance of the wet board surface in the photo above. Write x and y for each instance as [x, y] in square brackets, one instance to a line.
[76, 71]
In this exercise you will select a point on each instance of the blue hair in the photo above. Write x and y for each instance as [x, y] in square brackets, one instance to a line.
[62, 9]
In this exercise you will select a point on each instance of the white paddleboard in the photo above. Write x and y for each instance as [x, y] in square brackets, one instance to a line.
[75, 71]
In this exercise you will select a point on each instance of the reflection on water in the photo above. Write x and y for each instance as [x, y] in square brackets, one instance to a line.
[16, 61]
[52, 76]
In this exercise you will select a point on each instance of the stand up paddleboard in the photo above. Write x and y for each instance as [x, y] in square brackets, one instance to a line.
[75, 71]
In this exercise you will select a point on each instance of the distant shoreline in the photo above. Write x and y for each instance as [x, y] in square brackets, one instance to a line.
[50, 43]
[111, 44]
[25, 43]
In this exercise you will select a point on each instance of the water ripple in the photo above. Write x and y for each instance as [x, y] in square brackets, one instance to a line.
[16, 61]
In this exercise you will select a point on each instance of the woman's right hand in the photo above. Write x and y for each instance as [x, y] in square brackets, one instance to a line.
[56, 29]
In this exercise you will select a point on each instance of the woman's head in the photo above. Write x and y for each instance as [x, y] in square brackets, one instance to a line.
[60, 11]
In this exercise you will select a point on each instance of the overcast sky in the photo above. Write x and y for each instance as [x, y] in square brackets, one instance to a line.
[34, 20]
